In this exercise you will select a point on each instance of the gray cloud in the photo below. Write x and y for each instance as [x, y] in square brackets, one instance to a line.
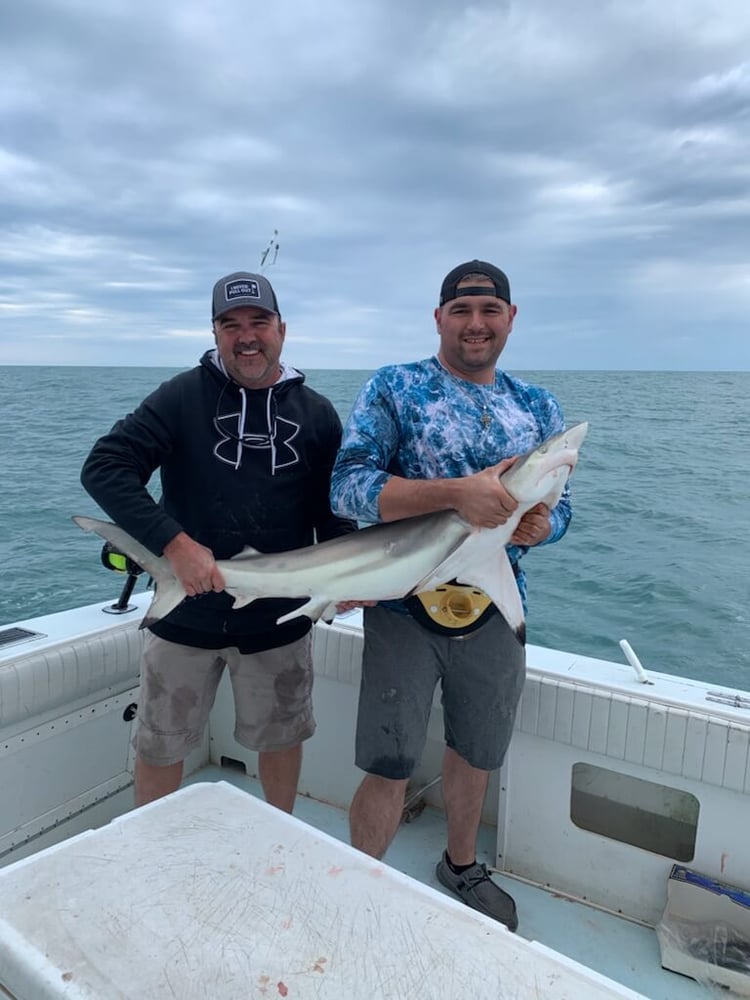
[598, 152]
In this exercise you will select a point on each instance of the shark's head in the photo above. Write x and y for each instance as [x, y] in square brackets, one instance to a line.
[543, 472]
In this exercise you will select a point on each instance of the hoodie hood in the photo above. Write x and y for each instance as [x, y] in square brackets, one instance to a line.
[248, 418]
[214, 358]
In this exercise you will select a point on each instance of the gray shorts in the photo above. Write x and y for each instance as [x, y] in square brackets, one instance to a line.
[481, 674]
[272, 697]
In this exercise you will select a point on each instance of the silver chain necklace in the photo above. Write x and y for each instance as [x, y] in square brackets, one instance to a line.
[486, 417]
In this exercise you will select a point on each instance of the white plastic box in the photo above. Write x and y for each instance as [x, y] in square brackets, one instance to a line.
[704, 932]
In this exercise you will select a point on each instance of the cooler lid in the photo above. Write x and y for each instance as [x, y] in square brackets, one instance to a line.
[211, 893]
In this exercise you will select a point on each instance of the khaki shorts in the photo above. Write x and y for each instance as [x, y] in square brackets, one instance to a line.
[272, 697]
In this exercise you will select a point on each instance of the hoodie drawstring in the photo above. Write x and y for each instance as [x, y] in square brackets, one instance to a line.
[271, 430]
[241, 427]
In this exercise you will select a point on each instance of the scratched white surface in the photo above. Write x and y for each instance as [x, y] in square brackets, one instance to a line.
[211, 894]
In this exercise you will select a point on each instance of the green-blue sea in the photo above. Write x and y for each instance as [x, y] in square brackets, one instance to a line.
[658, 552]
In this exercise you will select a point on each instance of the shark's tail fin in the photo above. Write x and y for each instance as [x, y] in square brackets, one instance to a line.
[169, 590]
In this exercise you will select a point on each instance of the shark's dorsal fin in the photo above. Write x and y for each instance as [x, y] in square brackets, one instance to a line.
[247, 553]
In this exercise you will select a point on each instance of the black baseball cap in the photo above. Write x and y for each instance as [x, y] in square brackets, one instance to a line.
[449, 289]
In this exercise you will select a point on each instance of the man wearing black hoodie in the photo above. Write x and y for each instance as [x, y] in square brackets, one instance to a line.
[245, 451]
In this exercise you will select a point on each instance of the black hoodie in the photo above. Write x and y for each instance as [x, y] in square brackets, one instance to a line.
[238, 467]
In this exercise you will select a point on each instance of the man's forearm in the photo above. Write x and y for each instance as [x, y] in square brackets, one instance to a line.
[401, 498]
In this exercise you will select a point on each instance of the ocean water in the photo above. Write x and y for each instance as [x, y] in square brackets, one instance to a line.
[658, 552]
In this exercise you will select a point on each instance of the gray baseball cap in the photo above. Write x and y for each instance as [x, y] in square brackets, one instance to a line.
[243, 289]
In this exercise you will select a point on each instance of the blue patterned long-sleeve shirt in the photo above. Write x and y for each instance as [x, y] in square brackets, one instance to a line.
[418, 421]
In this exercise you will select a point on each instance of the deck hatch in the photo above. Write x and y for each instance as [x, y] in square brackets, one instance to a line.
[10, 635]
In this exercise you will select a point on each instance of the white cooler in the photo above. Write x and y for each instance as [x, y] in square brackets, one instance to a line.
[212, 894]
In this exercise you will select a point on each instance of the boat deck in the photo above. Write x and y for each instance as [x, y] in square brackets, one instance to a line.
[620, 949]
[67, 691]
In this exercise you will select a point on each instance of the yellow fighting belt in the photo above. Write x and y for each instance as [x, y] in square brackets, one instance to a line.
[451, 609]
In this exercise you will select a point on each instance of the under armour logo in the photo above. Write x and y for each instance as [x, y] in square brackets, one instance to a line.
[230, 446]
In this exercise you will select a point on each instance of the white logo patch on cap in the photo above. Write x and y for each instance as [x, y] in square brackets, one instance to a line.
[241, 289]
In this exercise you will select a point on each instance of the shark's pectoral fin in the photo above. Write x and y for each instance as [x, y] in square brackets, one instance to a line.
[496, 579]
[481, 561]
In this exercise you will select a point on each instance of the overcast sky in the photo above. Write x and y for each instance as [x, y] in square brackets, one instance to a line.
[597, 151]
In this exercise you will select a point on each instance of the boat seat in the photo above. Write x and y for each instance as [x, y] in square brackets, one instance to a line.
[64, 677]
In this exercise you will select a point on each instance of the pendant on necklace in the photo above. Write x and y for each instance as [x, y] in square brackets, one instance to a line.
[486, 419]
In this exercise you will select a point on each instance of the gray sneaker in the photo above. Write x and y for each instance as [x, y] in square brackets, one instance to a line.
[477, 890]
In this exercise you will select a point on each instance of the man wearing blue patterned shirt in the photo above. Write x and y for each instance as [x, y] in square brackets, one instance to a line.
[428, 436]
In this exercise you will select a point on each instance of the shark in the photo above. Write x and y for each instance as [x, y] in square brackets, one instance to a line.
[481, 560]
[385, 561]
